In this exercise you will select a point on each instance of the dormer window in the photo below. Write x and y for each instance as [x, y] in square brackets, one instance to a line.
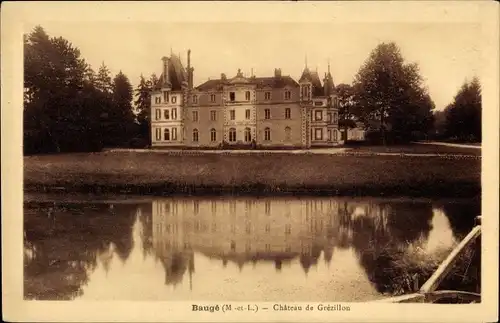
[288, 95]
[195, 99]
[212, 97]
[267, 96]
[165, 96]
[232, 96]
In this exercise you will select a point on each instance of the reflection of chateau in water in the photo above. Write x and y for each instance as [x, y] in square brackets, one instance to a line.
[93, 245]
[251, 230]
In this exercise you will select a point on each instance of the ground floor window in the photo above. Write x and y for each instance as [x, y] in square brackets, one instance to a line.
[174, 133]
[267, 134]
[195, 135]
[232, 135]
[318, 134]
[213, 135]
[335, 135]
[288, 134]
[248, 135]
[158, 134]
[166, 134]
[329, 135]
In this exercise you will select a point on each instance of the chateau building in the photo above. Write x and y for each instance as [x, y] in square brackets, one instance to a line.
[265, 112]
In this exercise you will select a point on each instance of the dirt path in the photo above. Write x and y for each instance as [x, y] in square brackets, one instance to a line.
[449, 144]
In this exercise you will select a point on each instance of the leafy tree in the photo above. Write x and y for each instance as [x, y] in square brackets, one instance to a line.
[347, 110]
[463, 115]
[58, 115]
[391, 95]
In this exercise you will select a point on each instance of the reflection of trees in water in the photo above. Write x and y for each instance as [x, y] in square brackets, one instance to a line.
[461, 215]
[64, 241]
[383, 238]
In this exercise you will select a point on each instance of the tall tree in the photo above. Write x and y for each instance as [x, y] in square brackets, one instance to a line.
[57, 116]
[103, 80]
[121, 119]
[463, 115]
[143, 106]
[391, 94]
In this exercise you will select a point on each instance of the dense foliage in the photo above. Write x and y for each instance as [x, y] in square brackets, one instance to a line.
[390, 96]
[67, 106]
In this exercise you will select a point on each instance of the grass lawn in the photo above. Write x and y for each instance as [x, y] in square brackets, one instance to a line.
[417, 149]
[160, 173]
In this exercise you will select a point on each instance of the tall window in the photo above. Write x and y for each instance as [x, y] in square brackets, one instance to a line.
[232, 114]
[329, 117]
[318, 134]
[267, 134]
[212, 97]
[166, 113]
[335, 135]
[195, 116]
[288, 113]
[158, 114]
[288, 95]
[247, 95]
[288, 133]
[195, 99]
[335, 117]
[166, 134]
[165, 96]
[213, 135]
[174, 113]
[267, 96]
[267, 114]
[232, 96]
[248, 135]
[195, 135]
[247, 114]
[329, 134]
[174, 133]
[158, 133]
[213, 115]
[232, 135]
[318, 115]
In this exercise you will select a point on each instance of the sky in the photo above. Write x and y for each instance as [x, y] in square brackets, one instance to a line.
[448, 53]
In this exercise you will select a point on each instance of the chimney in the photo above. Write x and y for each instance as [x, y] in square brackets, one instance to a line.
[166, 79]
[223, 77]
[277, 72]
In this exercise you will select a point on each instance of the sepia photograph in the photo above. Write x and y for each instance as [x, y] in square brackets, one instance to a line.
[274, 169]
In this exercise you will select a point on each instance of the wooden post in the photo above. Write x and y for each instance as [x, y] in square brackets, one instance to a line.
[433, 282]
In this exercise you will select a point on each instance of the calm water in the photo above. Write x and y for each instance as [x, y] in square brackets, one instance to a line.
[262, 249]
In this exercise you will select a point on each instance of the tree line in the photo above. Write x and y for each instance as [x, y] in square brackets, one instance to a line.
[70, 107]
[389, 98]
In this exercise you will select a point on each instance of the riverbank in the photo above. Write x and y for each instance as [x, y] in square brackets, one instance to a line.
[153, 173]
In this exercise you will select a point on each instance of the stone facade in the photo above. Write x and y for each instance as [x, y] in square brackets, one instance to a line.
[259, 112]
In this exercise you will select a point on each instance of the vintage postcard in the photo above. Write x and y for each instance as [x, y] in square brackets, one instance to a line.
[250, 161]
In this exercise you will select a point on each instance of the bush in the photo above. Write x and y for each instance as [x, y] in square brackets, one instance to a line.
[138, 143]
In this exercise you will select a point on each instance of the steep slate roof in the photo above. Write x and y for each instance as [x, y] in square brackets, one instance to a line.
[176, 72]
[260, 82]
[313, 77]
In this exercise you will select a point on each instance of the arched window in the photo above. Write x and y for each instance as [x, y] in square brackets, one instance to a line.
[166, 133]
[213, 135]
[267, 134]
[195, 135]
[232, 135]
[288, 133]
[248, 135]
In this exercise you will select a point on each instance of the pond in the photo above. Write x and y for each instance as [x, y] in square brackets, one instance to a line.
[240, 248]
